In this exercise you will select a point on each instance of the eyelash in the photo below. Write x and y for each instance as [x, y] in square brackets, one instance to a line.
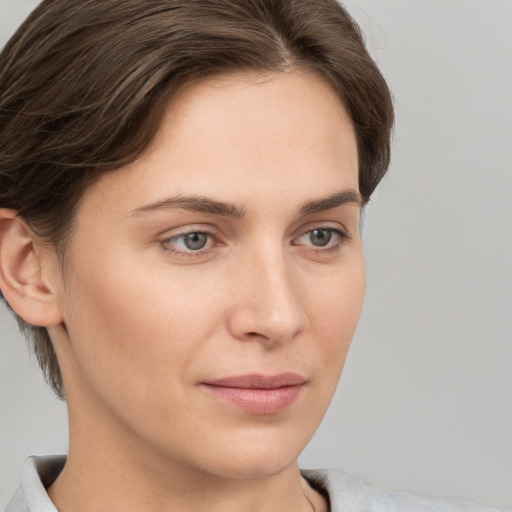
[342, 236]
[166, 244]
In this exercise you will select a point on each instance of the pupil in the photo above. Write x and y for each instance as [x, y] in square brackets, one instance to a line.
[320, 237]
[195, 241]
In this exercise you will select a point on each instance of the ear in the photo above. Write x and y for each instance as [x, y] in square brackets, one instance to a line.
[25, 272]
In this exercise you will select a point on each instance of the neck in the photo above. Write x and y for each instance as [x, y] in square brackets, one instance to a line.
[105, 484]
[114, 471]
[114, 489]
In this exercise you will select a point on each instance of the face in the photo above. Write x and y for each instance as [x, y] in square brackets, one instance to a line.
[212, 287]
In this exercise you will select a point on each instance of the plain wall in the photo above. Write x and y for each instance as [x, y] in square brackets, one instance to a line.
[425, 401]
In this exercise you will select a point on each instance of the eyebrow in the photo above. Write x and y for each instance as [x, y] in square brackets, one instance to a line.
[204, 204]
[333, 201]
[195, 204]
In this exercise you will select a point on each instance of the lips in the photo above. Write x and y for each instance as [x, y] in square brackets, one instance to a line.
[258, 394]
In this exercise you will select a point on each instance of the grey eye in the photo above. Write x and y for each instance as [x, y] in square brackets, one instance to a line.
[320, 237]
[195, 241]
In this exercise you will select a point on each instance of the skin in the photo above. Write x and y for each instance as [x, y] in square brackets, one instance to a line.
[139, 321]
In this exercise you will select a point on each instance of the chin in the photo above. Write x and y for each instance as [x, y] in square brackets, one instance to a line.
[261, 468]
[256, 455]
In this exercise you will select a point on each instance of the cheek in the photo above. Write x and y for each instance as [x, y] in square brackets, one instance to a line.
[130, 330]
[335, 314]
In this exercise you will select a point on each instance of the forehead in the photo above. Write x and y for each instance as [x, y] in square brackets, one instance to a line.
[246, 135]
[278, 110]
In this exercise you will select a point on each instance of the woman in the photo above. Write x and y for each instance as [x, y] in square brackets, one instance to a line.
[180, 200]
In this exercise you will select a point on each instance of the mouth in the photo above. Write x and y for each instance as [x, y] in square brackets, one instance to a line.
[258, 394]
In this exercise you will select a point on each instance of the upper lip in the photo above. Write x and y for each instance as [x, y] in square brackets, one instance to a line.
[258, 381]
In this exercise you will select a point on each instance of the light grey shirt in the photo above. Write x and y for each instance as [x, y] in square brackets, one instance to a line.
[346, 493]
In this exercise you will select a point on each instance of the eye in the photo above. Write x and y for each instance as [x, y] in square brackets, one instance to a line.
[193, 241]
[322, 238]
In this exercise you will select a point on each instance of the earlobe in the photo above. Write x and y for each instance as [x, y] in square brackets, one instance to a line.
[22, 279]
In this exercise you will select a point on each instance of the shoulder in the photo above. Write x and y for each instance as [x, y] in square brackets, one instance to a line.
[37, 474]
[18, 502]
[350, 494]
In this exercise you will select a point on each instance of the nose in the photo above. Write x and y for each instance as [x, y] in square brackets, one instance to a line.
[268, 303]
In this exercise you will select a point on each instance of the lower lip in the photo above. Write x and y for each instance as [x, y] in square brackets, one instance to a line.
[257, 400]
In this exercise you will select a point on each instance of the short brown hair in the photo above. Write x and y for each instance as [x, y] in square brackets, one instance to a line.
[84, 83]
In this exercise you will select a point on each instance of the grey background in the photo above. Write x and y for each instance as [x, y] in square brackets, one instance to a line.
[425, 401]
